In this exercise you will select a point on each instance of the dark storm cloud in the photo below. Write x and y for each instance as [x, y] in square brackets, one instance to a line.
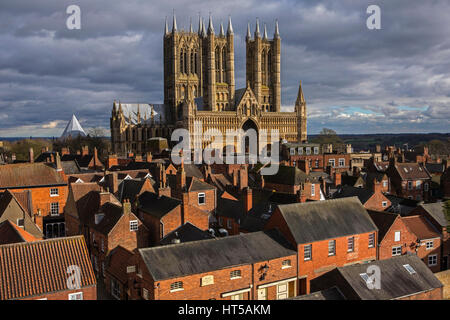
[355, 80]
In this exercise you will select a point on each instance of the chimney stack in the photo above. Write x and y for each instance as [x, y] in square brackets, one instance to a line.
[378, 148]
[111, 161]
[126, 206]
[113, 183]
[376, 186]
[84, 150]
[149, 157]
[185, 208]
[104, 197]
[58, 162]
[301, 197]
[248, 199]
[64, 151]
[337, 178]
[304, 166]
[31, 155]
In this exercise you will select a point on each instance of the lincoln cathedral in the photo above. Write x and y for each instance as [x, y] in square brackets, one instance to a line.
[199, 85]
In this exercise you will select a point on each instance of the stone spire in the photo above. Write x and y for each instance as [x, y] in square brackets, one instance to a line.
[257, 33]
[221, 33]
[174, 24]
[230, 27]
[166, 30]
[210, 26]
[277, 31]
[203, 29]
[249, 35]
[200, 25]
[300, 98]
[265, 32]
[191, 30]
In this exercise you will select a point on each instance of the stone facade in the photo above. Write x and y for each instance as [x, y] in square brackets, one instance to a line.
[199, 85]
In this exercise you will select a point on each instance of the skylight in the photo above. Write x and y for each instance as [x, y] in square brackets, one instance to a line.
[409, 268]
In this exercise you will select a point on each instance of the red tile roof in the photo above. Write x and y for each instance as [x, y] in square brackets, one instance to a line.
[412, 171]
[420, 226]
[11, 233]
[35, 268]
[28, 175]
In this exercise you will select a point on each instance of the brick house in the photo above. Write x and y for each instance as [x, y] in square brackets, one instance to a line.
[435, 214]
[318, 157]
[291, 180]
[228, 268]
[371, 199]
[113, 225]
[74, 211]
[48, 191]
[162, 214]
[12, 210]
[394, 237]
[327, 234]
[417, 281]
[42, 270]
[428, 241]
[116, 272]
[409, 180]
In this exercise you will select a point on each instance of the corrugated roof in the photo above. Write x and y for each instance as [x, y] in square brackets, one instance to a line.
[202, 256]
[35, 268]
[328, 219]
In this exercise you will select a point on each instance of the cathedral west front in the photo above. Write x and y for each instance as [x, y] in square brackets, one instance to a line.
[199, 85]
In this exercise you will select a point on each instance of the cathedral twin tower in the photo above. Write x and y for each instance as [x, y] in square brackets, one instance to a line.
[201, 64]
[199, 85]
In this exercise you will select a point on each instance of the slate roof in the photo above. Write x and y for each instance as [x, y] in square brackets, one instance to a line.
[29, 175]
[112, 213]
[383, 220]
[328, 294]
[436, 210]
[396, 281]
[70, 167]
[421, 227]
[229, 208]
[370, 176]
[401, 205]
[328, 219]
[194, 184]
[129, 189]
[179, 260]
[83, 161]
[438, 168]
[186, 233]
[288, 175]
[35, 268]
[160, 112]
[157, 206]
[344, 191]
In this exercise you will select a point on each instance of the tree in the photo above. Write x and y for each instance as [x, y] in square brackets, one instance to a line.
[328, 136]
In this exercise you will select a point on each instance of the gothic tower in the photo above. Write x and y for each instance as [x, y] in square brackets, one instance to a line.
[300, 109]
[199, 64]
[263, 67]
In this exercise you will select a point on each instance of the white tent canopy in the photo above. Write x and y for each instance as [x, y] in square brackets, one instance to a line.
[73, 129]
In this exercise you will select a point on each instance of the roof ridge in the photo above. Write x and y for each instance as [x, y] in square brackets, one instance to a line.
[243, 235]
[40, 241]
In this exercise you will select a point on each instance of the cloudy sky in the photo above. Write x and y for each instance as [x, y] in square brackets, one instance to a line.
[355, 80]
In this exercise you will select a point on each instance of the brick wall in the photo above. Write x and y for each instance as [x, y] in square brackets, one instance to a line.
[89, 293]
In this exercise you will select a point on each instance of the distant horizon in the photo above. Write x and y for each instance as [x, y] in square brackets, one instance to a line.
[312, 134]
